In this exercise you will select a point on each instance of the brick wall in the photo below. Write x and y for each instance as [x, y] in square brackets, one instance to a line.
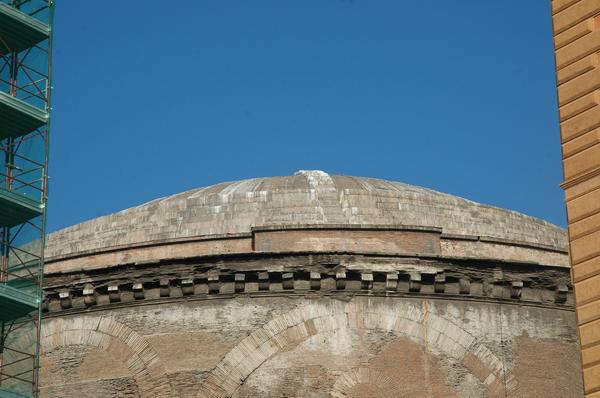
[348, 240]
[312, 347]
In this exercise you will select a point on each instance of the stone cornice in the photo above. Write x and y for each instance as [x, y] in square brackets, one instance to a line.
[508, 242]
[340, 295]
[368, 227]
[315, 274]
[396, 240]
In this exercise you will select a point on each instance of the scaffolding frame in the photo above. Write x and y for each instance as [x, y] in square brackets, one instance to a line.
[25, 88]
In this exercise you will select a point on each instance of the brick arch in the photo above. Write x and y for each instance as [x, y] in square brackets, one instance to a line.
[122, 342]
[350, 379]
[437, 332]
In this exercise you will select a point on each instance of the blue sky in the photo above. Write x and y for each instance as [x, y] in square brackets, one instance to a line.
[152, 99]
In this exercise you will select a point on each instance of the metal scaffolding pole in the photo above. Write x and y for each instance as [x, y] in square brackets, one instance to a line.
[25, 87]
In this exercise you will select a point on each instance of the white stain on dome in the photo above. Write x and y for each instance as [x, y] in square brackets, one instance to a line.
[316, 178]
[324, 193]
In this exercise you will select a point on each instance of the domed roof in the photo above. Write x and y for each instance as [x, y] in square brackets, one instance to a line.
[306, 198]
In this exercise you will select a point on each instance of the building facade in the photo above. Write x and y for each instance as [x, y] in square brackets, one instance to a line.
[310, 285]
[576, 25]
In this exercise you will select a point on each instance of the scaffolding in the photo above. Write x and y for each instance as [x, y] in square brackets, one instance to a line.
[25, 85]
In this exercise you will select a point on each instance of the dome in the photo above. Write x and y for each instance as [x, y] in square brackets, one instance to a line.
[306, 198]
[305, 285]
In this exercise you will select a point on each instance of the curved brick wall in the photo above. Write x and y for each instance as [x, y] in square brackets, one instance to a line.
[310, 346]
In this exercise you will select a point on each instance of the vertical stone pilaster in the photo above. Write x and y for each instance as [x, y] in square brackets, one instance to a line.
[576, 27]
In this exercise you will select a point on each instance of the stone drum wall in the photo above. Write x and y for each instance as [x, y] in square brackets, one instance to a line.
[310, 286]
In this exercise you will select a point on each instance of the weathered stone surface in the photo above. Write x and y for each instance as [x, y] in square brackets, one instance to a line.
[312, 197]
[310, 286]
[278, 346]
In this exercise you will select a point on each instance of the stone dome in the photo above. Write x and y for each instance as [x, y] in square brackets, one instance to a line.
[308, 285]
[306, 198]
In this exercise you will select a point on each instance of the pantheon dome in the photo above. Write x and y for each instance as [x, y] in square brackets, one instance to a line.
[311, 285]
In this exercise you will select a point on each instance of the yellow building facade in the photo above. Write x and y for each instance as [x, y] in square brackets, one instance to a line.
[576, 26]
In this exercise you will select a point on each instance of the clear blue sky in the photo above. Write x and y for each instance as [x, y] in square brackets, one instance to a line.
[152, 99]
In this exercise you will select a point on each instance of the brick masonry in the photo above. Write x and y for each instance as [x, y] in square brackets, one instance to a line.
[310, 324]
[313, 346]
[309, 286]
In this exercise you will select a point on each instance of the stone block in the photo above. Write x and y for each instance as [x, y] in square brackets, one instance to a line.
[585, 313]
[579, 106]
[464, 286]
[439, 284]
[263, 281]
[65, 300]
[581, 123]
[586, 269]
[315, 281]
[187, 286]
[113, 293]
[165, 288]
[516, 289]
[340, 280]
[576, 88]
[391, 281]
[366, 279]
[287, 280]
[577, 68]
[574, 14]
[581, 143]
[586, 45]
[89, 297]
[414, 284]
[138, 291]
[585, 247]
[561, 294]
[214, 285]
[240, 282]
[559, 5]
[583, 206]
[574, 33]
